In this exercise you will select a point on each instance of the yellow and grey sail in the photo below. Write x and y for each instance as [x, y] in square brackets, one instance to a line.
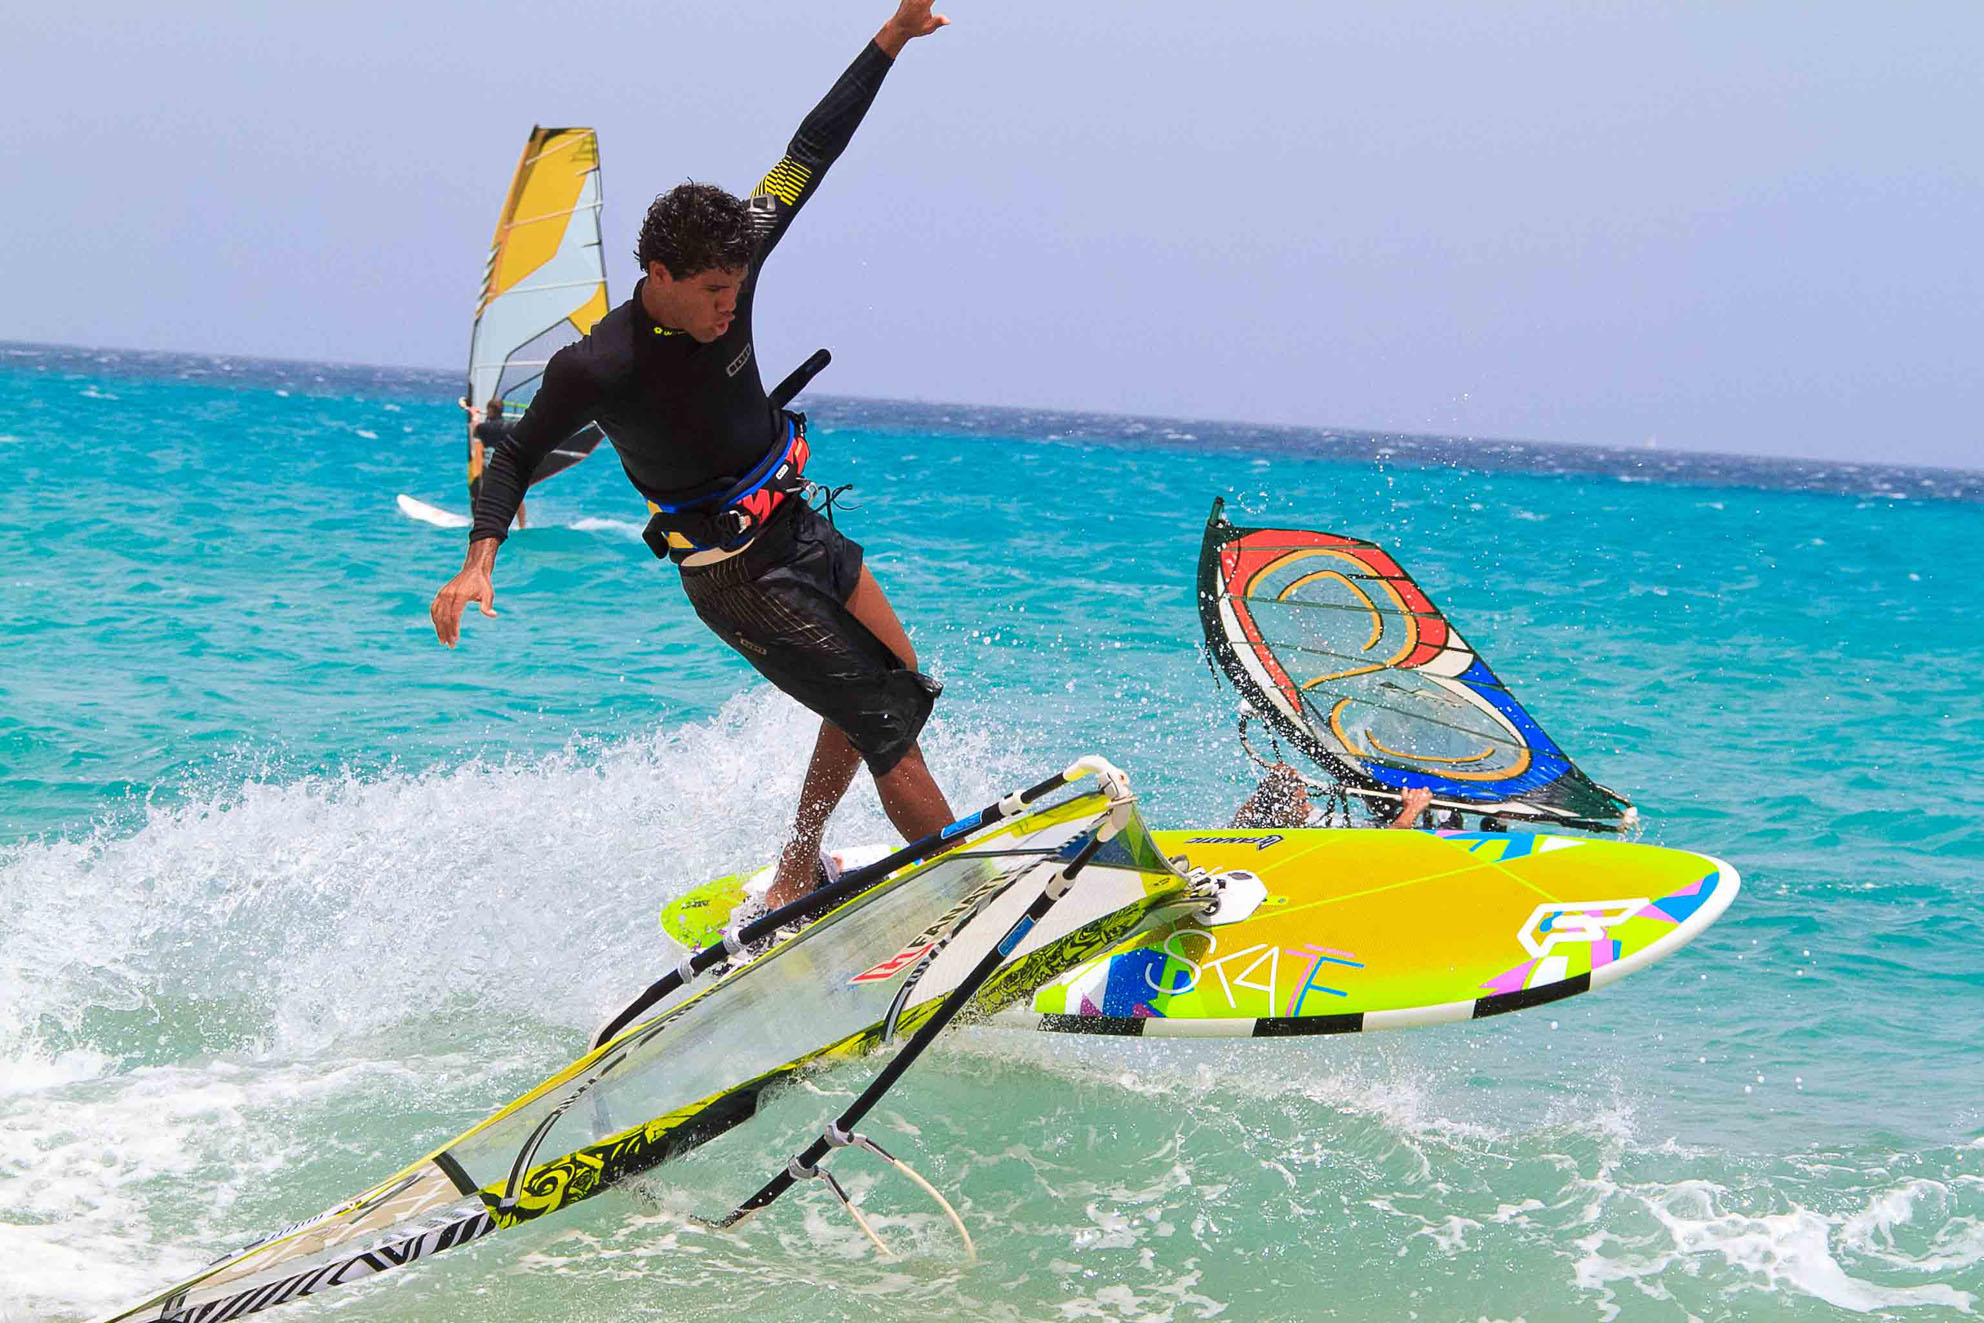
[884, 960]
[544, 284]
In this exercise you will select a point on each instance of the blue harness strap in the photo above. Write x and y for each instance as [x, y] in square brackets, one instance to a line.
[749, 485]
[727, 519]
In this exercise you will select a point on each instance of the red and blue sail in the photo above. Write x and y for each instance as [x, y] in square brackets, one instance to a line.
[1330, 640]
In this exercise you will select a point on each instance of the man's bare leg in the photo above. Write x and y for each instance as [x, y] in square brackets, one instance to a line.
[828, 776]
[870, 606]
[911, 798]
[908, 792]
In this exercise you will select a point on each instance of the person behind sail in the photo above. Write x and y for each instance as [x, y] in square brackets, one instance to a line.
[486, 427]
[1281, 801]
[670, 375]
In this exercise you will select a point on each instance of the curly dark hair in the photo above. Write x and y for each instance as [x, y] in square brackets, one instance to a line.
[694, 228]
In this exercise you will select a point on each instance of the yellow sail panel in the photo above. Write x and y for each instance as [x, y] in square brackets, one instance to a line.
[544, 284]
[582, 320]
[544, 193]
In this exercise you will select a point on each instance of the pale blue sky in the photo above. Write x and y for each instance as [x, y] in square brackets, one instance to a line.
[1750, 228]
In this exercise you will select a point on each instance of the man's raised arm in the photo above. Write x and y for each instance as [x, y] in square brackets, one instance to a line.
[825, 132]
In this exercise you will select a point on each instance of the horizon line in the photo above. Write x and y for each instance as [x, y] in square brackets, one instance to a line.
[1582, 447]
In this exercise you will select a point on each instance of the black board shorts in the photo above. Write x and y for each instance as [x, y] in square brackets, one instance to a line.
[782, 604]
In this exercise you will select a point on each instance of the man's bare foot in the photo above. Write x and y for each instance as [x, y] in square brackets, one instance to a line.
[799, 874]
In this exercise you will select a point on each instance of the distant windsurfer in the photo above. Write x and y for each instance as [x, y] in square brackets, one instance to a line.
[485, 427]
[1281, 801]
[671, 375]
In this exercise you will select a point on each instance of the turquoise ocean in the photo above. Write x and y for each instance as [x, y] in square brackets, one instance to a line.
[289, 893]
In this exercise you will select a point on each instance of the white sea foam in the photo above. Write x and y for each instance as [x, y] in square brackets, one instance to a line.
[305, 912]
[294, 957]
[1792, 1248]
[1798, 1250]
[621, 526]
[298, 957]
[1957, 1242]
[82, 1168]
[36, 1072]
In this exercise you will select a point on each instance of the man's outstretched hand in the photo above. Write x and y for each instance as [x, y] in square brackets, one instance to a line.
[912, 19]
[473, 584]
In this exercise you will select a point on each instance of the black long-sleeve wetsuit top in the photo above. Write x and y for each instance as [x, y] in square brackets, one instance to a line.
[686, 418]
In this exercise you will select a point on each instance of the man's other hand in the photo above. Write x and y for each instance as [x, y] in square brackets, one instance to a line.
[1413, 803]
[473, 584]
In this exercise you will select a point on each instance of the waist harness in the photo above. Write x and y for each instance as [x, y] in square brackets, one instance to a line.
[727, 519]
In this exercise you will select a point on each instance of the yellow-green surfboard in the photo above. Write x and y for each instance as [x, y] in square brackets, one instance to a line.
[1385, 929]
[1363, 929]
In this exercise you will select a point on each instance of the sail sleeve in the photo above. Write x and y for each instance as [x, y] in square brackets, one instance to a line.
[1344, 653]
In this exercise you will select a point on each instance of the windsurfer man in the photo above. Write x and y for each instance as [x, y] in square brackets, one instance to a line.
[672, 378]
